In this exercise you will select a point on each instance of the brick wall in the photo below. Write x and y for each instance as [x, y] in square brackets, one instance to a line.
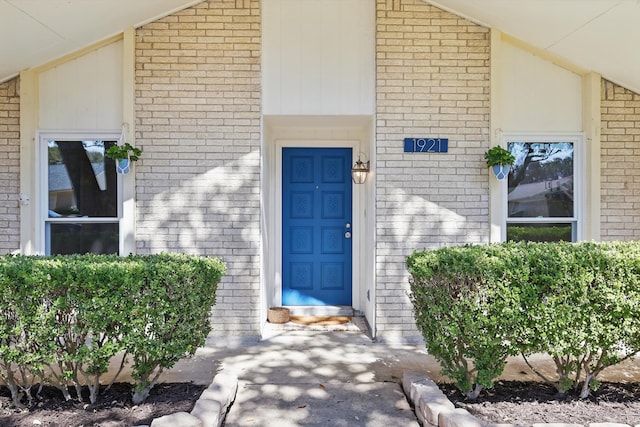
[620, 160]
[9, 166]
[198, 123]
[432, 80]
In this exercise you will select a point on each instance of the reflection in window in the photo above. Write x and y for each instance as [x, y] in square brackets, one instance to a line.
[82, 213]
[79, 238]
[540, 201]
[537, 232]
[541, 180]
[81, 182]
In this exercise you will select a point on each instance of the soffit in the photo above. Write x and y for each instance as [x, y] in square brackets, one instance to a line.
[597, 35]
[34, 32]
[602, 36]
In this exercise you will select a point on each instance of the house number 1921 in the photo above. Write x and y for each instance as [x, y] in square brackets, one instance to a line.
[426, 145]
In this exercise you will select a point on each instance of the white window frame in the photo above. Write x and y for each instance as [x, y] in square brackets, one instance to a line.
[579, 168]
[42, 202]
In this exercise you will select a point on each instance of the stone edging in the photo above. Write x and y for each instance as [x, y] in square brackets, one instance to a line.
[210, 408]
[433, 409]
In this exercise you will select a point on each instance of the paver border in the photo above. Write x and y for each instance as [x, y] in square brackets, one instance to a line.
[210, 408]
[434, 409]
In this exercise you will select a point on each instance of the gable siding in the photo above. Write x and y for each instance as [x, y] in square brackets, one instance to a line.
[432, 81]
[9, 166]
[620, 160]
[198, 123]
[84, 93]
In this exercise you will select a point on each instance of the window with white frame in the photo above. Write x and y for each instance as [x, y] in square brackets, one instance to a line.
[82, 204]
[544, 188]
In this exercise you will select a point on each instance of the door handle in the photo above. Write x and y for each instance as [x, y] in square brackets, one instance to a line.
[347, 235]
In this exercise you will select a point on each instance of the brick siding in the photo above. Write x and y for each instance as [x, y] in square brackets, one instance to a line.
[432, 81]
[9, 166]
[198, 123]
[620, 160]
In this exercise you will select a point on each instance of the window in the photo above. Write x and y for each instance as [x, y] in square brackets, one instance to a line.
[544, 189]
[82, 200]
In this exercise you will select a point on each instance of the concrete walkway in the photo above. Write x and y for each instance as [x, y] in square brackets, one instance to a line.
[315, 378]
[321, 379]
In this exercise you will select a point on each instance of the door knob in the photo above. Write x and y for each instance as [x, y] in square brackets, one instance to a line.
[347, 225]
[347, 235]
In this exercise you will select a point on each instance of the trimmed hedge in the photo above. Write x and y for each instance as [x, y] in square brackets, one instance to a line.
[63, 318]
[477, 305]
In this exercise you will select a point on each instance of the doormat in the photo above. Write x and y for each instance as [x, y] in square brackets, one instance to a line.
[320, 320]
[318, 324]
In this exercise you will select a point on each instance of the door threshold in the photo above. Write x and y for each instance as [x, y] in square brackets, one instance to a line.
[321, 310]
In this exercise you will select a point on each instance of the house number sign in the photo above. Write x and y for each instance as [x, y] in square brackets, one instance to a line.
[426, 145]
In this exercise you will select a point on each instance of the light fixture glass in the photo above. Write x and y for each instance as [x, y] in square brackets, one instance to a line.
[359, 171]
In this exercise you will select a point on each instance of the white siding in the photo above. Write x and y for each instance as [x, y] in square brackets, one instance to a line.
[84, 93]
[537, 96]
[318, 57]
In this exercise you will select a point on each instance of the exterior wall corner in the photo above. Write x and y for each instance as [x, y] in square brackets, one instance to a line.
[10, 164]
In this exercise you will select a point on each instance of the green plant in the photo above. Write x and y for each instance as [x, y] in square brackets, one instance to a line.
[577, 302]
[171, 319]
[125, 151]
[464, 314]
[87, 332]
[64, 318]
[24, 351]
[585, 313]
[499, 156]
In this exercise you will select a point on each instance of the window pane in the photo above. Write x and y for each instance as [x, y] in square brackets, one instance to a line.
[537, 232]
[82, 182]
[80, 238]
[541, 180]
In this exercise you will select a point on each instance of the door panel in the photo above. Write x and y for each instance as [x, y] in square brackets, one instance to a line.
[316, 226]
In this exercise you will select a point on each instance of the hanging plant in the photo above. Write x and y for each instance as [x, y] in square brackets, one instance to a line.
[123, 155]
[500, 160]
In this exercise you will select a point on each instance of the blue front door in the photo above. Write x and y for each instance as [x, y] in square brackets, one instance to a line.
[316, 226]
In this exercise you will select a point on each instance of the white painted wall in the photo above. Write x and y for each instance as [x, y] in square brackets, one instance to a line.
[318, 57]
[536, 95]
[84, 93]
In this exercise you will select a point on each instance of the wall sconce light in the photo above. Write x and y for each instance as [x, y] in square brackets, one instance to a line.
[359, 171]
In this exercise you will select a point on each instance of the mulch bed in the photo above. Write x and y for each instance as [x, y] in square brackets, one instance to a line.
[525, 403]
[514, 402]
[113, 408]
